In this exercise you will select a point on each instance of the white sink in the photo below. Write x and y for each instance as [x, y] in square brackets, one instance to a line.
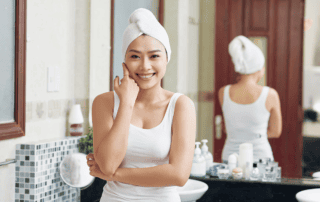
[309, 195]
[192, 190]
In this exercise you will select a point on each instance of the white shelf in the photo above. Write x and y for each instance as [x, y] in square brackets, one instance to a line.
[311, 129]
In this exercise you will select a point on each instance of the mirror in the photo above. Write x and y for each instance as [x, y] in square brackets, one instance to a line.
[75, 172]
[311, 55]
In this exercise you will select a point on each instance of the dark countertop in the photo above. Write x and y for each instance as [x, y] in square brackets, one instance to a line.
[255, 191]
[231, 190]
[284, 181]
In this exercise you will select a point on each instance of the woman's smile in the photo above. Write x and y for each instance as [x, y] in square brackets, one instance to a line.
[145, 76]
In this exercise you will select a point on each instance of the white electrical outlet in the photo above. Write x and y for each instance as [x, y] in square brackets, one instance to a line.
[51, 79]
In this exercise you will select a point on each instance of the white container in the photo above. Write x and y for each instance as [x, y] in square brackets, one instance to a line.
[207, 155]
[232, 162]
[199, 163]
[246, 158]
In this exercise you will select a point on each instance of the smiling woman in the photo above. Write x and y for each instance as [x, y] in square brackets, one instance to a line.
[144, 141]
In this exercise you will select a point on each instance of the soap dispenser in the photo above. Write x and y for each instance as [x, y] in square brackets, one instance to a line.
[199, 163]
[207, 155]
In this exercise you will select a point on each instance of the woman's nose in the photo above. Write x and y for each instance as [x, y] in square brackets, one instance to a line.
[145, 63]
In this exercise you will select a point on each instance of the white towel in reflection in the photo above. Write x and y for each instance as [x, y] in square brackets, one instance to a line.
[246, 56]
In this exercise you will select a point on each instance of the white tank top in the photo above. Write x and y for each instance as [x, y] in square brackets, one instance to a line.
[246, 123]
[146, 148]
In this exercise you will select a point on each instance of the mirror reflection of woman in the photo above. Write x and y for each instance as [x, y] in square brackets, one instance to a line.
[143, 135]
[251, 112]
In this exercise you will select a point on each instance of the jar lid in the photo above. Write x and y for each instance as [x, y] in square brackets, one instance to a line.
[237, 170]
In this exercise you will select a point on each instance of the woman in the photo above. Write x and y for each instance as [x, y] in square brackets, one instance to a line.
[252, 113]
[143, 135]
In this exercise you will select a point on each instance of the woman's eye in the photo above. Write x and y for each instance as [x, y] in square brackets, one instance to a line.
[134, 56]
[155, 56]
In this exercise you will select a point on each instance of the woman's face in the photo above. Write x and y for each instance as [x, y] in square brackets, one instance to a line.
[146, 60]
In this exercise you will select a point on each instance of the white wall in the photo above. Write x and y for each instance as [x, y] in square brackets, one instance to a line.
[311, 47]
[311, 55]
[182, 70]
[59, 35]
[206, 70]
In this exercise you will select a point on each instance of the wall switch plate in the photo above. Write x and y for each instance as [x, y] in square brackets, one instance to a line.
[51, 79]
[56, 79]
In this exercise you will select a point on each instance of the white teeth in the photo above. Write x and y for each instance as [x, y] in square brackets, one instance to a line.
[146, 76]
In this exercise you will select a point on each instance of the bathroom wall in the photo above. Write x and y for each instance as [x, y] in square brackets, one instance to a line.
[59, 35]
[311, 48]
[311, 67]
[181, 21]
[311, 54]
[206, 71]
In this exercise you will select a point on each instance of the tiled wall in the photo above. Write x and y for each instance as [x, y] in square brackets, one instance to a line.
[37, 171]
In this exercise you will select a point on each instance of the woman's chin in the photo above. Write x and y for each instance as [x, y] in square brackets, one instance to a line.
[146, 86]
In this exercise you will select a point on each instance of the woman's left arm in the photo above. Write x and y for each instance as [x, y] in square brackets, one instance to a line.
[177, 172]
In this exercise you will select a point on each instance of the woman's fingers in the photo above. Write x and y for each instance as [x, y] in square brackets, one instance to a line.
[125, 70]
[90, 160]
[91, 163]
[116, 83]
[90, 156]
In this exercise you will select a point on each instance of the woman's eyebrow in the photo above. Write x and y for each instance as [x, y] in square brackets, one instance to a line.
[153, 51]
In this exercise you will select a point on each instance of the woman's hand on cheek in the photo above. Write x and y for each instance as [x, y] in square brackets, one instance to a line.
[128, 90]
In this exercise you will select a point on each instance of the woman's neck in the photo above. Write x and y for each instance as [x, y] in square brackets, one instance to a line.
[249, 80]
[151, 95]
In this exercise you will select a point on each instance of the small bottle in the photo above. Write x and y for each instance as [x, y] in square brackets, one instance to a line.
[245, 155]
[199, 163]
[255, 174]
[207, 155]
[268, 174]
[262, 167]
[248, 170]
[232, 162]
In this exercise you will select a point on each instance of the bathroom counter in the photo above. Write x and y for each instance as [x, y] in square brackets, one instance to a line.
[255, 191]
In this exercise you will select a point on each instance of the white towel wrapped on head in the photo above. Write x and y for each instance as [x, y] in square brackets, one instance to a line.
[142, 21]
[246, 56]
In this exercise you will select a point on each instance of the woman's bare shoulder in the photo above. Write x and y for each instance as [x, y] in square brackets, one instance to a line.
[104, 98]
[273, 94]
[220, 94]
[221, 90]
[273, 98]
[184, 101]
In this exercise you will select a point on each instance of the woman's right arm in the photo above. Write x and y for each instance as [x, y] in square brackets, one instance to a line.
[275, 120]
[110, 137]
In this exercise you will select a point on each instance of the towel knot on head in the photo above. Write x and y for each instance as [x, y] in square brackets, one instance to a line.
[142, 21]
[246, 56]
